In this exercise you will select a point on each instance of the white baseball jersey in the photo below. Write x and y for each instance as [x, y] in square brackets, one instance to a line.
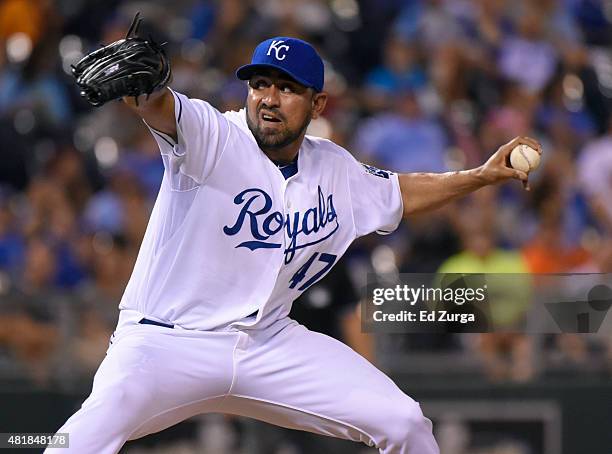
[229, 236]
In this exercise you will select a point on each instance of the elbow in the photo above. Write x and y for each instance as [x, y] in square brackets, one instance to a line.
[411, 207]
[408, 211]
[416, 207]
[412, 197]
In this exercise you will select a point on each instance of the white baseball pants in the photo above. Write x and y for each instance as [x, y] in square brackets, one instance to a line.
[154, 377]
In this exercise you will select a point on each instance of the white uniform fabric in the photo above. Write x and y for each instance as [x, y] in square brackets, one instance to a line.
[154, 377]
[228, 233]
[229, 237]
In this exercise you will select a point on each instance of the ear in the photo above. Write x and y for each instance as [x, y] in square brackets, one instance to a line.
[319, 101]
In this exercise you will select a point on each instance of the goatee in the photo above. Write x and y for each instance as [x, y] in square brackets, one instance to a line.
[275, 141]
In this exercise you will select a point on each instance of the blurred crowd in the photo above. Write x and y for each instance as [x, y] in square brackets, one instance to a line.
[415, 86]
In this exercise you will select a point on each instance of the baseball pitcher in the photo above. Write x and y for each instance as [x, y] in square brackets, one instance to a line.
[251, 212]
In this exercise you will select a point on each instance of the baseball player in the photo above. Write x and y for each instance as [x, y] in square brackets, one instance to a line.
[251, 212]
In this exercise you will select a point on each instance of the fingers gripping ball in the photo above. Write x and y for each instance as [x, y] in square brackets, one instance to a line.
[132, 66]
[524, 158]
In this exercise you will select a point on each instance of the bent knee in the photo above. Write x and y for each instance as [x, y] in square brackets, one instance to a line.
[406, 423]
[130, 397]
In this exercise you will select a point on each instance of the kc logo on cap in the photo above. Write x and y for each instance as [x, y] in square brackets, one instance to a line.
[278, 47]
[294, 57]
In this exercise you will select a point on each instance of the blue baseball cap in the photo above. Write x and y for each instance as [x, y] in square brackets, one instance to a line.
[295, 57]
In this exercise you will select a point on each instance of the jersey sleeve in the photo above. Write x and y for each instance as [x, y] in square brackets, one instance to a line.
[376, 198]
[202, 135]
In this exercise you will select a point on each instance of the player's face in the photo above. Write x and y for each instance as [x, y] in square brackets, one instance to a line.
[279, 109]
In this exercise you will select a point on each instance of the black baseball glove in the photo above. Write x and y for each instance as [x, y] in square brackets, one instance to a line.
[132, 66]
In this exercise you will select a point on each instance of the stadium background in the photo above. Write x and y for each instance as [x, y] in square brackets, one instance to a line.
[415, 86]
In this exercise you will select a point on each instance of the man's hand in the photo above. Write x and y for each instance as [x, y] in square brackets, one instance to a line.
[423, 192]
[497, 167]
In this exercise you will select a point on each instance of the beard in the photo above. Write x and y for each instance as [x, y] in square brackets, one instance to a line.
[278, 139]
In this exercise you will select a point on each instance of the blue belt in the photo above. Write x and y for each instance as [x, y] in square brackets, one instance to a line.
[148, 321]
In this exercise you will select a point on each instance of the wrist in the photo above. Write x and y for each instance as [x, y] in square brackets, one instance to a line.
[144, 101]
[477, 176]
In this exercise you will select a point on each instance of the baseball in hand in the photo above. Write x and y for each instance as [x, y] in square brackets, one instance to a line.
[524, 158]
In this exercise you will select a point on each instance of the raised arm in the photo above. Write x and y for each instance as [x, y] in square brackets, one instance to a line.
[422, 192]
[157, 111]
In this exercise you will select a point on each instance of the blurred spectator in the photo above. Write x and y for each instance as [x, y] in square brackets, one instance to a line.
[23, 16]
[506, 355]
[97, 314]
[35, 95]
[30, 315]
[67, 170]
[431, 240]
[593, 21]
[475, 221]
[434, 23]
[559, 24]
[564, 116]
[52, 217]
[404, 139]
[513, 116]
[528, 58]
[584, 88]
[550, 250]
[120, 208]
[399, 72]
[595, 174]
[12, 243]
